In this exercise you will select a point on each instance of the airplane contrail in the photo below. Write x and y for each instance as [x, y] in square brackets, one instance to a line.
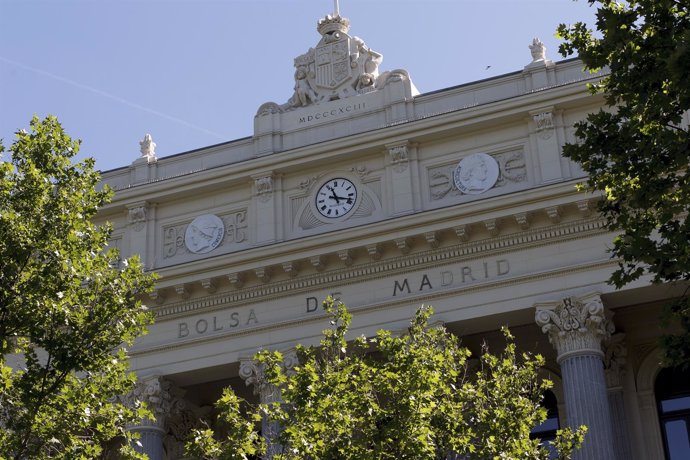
[111, 96]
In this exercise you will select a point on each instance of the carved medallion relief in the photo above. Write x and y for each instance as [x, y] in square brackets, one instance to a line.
[206, 234]
[476, 174]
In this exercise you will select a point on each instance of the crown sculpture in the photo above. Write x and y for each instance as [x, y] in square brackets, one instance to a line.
[340, 66]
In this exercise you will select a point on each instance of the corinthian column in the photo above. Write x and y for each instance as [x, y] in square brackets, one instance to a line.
[154, 391]
[253, 373]
[576, 327]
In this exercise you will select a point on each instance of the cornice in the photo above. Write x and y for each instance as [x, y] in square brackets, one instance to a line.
[347, 275]
[414, 299]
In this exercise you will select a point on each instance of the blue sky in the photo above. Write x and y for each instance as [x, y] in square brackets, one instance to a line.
[193, 72]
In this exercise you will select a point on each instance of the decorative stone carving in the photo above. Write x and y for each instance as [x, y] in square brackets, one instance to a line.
[538, 50]
[209, 284]
[155, 393]
[403, 244]
[253, 374]
[263, 273]
[308, 182]
[492, 227]
[432, 239]
[235, 232]
[399, 157]
[308, 219]
[236, 227]
[361, 171]
[204, 234]
[184, 418]
[291, 268]
[366, 207]
[575, 325]
[511, 167]
[476, 174]
[554, 213]
[585, 207]
[544, 123]
[148, 148]
[136, 215]
[264, 187]
[157, 296]
[615, 355]
[236, 279]
[318, 262]
[339, 67]
[374, 251]
[183, 291]
[522, 219]
[346, 256]
[462, 232]
[290, 361]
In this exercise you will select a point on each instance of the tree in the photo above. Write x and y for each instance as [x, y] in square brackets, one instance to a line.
[636, 149]
[392, 397]
[66, 306]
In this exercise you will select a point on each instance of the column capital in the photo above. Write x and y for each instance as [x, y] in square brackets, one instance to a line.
[253, 373]
[575, 325]
[156, 393]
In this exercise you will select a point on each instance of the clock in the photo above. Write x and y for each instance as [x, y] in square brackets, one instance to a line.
[336, 198]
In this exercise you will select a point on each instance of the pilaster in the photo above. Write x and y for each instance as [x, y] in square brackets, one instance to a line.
[402, 161]
[576, 327]
[615, 353]
[544, 137]
[266, 203]
[140, 216]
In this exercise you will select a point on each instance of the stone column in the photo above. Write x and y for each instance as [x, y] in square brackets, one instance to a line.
[576, 327]
[252, 372]
[153, 391]
[614, 369]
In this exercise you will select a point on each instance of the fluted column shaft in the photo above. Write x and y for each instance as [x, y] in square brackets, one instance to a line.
[585, 393]
[150, 441]
[576, 328]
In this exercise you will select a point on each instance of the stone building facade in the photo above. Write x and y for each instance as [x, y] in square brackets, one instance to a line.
[362, 188]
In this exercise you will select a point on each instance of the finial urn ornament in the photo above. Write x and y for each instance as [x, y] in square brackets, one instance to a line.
[538, 50]
[148, 148]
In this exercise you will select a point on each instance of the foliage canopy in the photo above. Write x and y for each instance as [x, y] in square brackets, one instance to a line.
[66, 306]
[414, 396]
[636, 151]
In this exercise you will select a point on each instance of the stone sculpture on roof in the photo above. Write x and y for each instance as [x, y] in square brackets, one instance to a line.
[340, 66]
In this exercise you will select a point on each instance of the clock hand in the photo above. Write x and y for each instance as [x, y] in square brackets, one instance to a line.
[336, 197]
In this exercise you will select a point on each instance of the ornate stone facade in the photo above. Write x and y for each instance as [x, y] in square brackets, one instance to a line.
[414, 235]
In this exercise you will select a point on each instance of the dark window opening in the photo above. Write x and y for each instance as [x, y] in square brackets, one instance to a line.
[546, 431]
[672, 391]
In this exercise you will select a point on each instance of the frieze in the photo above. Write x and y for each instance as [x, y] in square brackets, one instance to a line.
[511, 169]
[235, 231]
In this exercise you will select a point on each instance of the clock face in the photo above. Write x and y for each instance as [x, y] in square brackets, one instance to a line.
[336, 198]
